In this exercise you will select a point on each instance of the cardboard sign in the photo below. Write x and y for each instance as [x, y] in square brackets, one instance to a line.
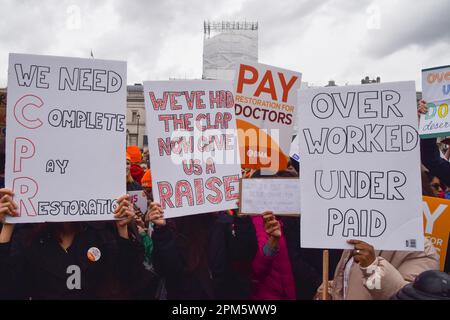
[138, 198]
[266, 107]
[360, 167]
[65, 137]
[193, 146]
[436, 92]
[279, 195]
[436, 217]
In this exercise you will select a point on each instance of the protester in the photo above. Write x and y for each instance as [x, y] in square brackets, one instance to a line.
[281, 269]
[132, 185]
[198, 257]
[135, 157]
[429, 285]
[146, 183]
[368, 274]
[37, 260]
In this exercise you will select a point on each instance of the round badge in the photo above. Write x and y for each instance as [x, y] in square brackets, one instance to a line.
[94, 254]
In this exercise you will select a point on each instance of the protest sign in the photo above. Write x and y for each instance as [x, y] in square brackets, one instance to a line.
[436, 92]
[360, 167]
[266, 107]
[65, 137]
[138, 198]
[279, 195]
[436, 216]
[193, 146]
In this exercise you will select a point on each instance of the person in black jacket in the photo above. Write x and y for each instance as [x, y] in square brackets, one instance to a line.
[200, 256]
[95, 260]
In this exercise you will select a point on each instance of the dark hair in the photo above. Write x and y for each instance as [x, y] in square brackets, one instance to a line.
[192, 239]
[50, 230]
[426, 181]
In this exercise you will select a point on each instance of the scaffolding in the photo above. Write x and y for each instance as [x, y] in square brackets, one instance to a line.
[223, 26]
[227, 43]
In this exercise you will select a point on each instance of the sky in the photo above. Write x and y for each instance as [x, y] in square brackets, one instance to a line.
[340, 40]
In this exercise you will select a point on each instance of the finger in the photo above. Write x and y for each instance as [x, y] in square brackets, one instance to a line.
[8, 209]
[354, 241]
[8, 200]
[272, 223]
[6, 191]
[123, 204]
[155, 204]
[125, 196]
[121, 212]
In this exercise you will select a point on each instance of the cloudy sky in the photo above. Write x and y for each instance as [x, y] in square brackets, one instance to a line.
[343, 40]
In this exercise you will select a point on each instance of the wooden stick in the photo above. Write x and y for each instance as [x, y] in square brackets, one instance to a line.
[325, 269]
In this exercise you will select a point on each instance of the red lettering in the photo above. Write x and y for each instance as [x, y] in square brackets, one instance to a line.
[25, 189]
[243, 80]
[23, 103]
[23, 149]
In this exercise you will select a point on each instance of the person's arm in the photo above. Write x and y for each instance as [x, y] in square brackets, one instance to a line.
[265, 255]
[166, 257]
[382, 279]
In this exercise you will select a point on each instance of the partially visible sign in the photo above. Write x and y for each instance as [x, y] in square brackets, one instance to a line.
[279, 195]
[436, 92]
[436, 217]
[138, 198]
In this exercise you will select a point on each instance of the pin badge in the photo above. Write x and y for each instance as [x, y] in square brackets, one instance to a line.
[94, 254]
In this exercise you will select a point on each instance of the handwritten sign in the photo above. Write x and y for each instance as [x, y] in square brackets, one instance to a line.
[360, 167]
[193, 145]
[436, 215]
[279, 195]
[65, 137]
[436, 92]
[266, 107]
[138, 198]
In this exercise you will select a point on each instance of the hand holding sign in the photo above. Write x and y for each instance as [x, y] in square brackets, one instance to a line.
[363, 253]
[125, 213]
[7, 205]
[156, 214]
[271, 225]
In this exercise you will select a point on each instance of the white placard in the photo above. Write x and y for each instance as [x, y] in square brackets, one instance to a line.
[266, 108]
[436, 92]
[193, 145]
[279, 195]
[139, 199]
[65, 137]
[360, 167]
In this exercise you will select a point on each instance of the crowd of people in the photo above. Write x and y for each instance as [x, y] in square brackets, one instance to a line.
[220, 255]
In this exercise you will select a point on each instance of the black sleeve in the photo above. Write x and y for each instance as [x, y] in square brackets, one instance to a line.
[13, 270]
[242, 241]
[432, 160]
[167, 259]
